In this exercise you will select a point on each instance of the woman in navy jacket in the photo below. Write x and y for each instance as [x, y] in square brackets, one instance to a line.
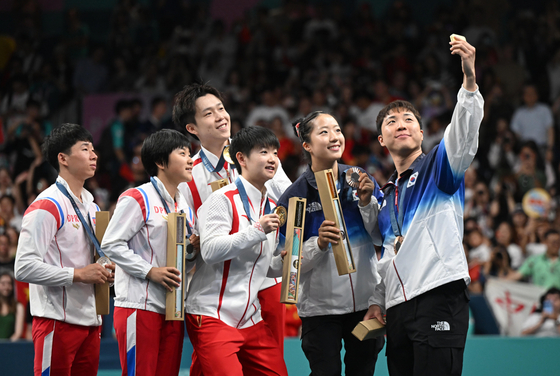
[330, 305]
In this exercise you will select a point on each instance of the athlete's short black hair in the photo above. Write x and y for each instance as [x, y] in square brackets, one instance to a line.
[61, 140]
[185, 103]
[157, 147]
[399, 105]
[250, 138]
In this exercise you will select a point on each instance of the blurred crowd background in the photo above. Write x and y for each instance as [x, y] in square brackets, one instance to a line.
[115, 68]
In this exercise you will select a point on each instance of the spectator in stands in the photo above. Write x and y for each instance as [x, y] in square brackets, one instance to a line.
[499, 264]
[506, 237]
[520, 221]
[113, 141]
[15, 99]
[533, 121]
[268, 110]
[287, 146]
[122, 79]
[12, 312]
[77, 35]
[151, 82]
[91, 74]
[545, 321]
[475, 273]
[365, 110]
[436, 127]
[534, 233]
[32, 121]
[501, 154]
[479, 207]
[6, 185]
[7, 259]
[434, 100]
[14, 238]
[509, 72]
[543, 270]
[24, 138]
[158, 110]
[478, 246]
[8, 213]
[503, 201]
[530, 170]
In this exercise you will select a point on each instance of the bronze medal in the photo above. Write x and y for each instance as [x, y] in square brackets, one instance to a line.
[353, 177]
[282, 215]
[398, 242]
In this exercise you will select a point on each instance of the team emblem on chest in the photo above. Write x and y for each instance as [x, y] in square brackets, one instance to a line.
[412, 179]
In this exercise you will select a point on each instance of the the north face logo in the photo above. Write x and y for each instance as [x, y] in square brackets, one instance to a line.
[441, 326]
[412, 179]
[313, 207]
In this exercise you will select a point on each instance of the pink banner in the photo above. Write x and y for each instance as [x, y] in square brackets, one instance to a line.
[99, 110]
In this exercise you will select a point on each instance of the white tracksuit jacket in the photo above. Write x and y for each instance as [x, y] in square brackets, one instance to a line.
[236, 257]
[136, 240]
[53, 243]
[198, 190]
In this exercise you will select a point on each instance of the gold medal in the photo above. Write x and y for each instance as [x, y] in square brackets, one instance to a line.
[282, 215]
[398, 242]
[226, 155]
[353, 177]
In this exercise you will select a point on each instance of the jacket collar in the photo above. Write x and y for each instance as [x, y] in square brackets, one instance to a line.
[405, 174]
[87, 198]
[256, 196]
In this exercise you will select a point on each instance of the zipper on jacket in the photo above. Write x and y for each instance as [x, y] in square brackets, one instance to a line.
[252, 271]
[352, 288]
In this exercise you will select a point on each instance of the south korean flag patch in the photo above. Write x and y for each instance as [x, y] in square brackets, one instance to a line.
[412, 179]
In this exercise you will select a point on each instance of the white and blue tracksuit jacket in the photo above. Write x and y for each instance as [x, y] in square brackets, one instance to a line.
[431, 199]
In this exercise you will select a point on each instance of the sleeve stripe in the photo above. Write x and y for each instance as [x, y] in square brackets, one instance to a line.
[235, 222]
[141, 198]
[50, 205]
[147, 203]
[195, 195]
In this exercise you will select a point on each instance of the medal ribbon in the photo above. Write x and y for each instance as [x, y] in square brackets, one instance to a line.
[221, 162]
[154, 183]
[245, 200]
[86, 227]
[394, 196]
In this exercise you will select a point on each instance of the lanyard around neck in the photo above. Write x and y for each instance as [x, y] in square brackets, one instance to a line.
[245, 200]
[154, 183]
[86, 227]
[396, 224]
[208, 165]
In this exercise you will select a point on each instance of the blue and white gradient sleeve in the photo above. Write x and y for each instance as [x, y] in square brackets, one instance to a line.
[460, 141]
